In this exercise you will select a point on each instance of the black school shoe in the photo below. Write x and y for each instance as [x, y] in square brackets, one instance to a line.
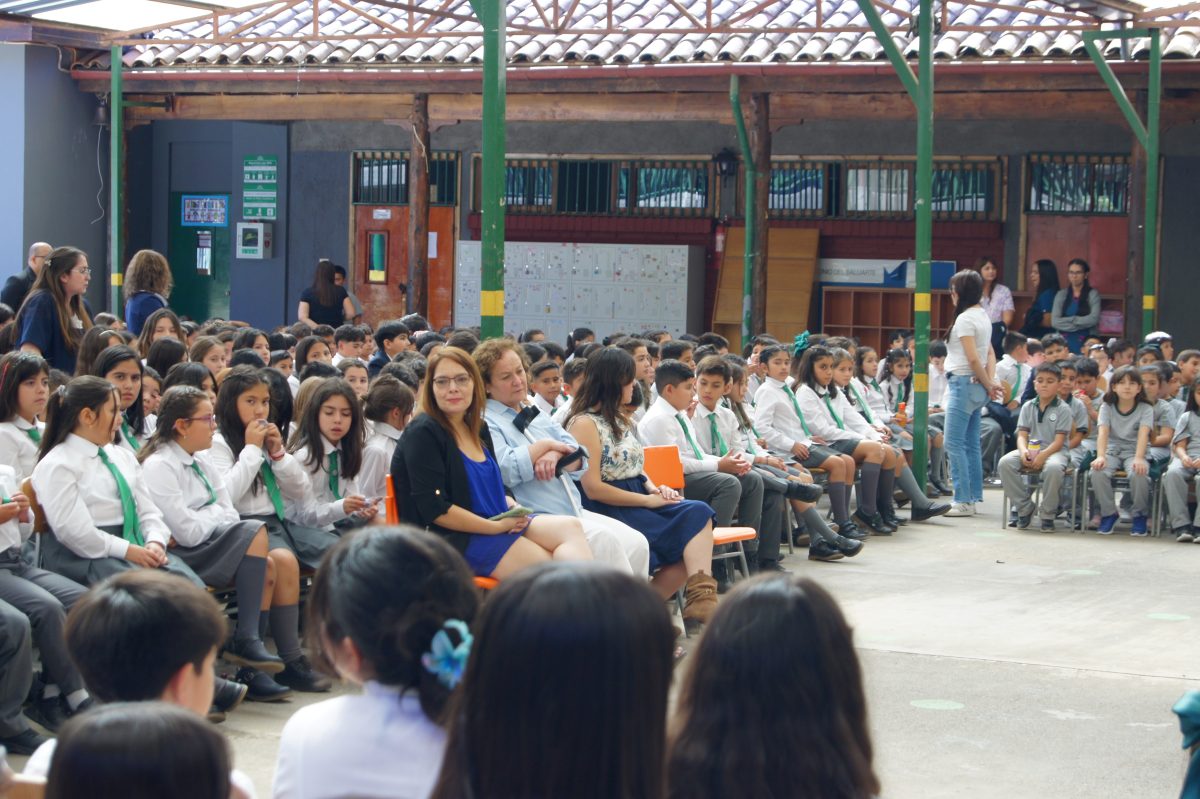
[848, 546]
[300, 675]
[49, 712]
[228, 694]
[873, 522]
[252, 653]
[934, 509]
[803, 492]
[261, 688]
[822, 551]
[889, 516]
[772, 567]
[25, 743]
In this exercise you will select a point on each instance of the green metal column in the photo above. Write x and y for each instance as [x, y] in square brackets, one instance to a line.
[920, 89]
[116, 197]
[1148, 136]
[491, 14]
[735, 99]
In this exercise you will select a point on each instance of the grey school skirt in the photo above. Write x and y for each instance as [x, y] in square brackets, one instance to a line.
[308, 544]
[89, 571]
[218, 559]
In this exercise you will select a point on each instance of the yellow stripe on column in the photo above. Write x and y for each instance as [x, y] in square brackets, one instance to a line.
[1149, 302]
[118, 279]
[491, 303]
[921, 302]
[920, 382]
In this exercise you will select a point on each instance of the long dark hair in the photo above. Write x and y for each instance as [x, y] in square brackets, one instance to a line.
[1047, 276]
[281, 399]
[806, 372]
[473, 418]
[892, 357]
[147, 334]
[65, 405]
[15, 369]
[1085, 292]
[302, 348]
[49, 281]
[390, 590]
[1124, 373]
[607, 374]
[308, 429]
[95, 341]
[323, 285]
[980, 263]
[577, 337]
[538, 641]
[110, 359]
[188, 373]
[139, 750]
[787, 632]
[229, 422]
[737, 373]
[968, 285]
[177, 404]
[165, 353]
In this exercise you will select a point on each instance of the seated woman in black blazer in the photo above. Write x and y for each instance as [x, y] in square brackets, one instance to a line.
[447, 479]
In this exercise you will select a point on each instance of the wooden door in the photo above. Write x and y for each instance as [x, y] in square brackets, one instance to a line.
[381, 262]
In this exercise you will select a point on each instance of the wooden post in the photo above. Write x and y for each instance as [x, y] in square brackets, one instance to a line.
[418, 208]
[1135, 255]
[760, 144]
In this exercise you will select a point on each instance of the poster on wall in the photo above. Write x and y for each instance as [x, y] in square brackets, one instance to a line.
[205, 210]
[260, 186]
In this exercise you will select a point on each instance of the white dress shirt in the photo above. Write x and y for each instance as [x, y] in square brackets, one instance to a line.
[937, 387]
[377, 743]
[776, 420]
[294, 383]
[13, 533]
[545, 407]
[79, 495]
[1006, 370]
[240, 473]
[663, 425]
[325, 508]
[17, 448]
[184, 498]
[377, 460]
[560, 413]
[873, 396]
[727, 427]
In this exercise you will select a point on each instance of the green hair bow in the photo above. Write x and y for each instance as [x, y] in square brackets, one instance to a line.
[800, 344]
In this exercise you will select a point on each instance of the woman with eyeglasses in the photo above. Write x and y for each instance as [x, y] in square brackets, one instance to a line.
[52, 320]
[447, 479]
[1077, 307]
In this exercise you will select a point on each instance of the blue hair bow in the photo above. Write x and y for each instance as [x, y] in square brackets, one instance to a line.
[445, 660]
[799, 344]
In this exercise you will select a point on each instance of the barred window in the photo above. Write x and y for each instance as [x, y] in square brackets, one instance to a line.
[1078, 184]
[381, 178]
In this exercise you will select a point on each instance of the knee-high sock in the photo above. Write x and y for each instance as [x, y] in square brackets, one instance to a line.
[264, 623]
[839, 501]
[868, 487]
[937, 463]
[817, 529]
[285, 629]
[887, 484]
[248, 580]
[908, 484]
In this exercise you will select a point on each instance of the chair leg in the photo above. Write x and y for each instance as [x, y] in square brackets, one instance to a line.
[679, 604]
[741, 550]
[1003, 511]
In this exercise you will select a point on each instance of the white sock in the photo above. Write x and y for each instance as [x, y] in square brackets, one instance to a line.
[51, 691]
[76, 698]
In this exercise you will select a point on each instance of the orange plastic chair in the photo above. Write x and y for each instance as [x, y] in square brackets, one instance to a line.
[24, 787]
[486, 583]
[392, 511]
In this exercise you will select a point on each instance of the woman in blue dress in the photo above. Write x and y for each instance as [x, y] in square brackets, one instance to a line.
[679, 530]
[447, 480]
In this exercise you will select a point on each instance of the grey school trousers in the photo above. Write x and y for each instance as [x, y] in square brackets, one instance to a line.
[1139, 484]
[16, 669]
[1175, 486]
[1018, 491]
[44, 597]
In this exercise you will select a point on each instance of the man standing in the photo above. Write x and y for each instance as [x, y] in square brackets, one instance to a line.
[18, 286]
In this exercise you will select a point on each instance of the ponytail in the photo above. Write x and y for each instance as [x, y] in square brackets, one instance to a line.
[178, 403]
[66, 403]
[385, 395]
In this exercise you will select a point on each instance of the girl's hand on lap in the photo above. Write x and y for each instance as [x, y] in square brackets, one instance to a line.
[354, 503]
[141, 556]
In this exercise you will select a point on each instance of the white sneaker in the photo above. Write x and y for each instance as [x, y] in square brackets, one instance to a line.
[961, 509]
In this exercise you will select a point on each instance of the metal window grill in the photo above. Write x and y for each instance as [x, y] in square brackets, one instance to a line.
[381, 178]
[1096, 185]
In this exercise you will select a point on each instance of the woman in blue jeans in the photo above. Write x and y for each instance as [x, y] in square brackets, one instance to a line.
[970, 382]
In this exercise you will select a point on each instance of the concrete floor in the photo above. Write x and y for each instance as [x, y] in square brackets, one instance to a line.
[998, 664]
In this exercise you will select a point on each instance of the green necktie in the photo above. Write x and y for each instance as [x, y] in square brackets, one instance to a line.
[131, 529]
[333, 475]
[899, 396]
[34, 435]
[862, 404]
[1017, 385]
[695, 449]
[129, 436]
[796, 407]
[268, 476]
[837, 419]
[717, 441]
[212, 495]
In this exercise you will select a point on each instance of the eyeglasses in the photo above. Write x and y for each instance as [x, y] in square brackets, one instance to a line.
[1076, 272]
[443, 383]
[210, 419]
[87, 270]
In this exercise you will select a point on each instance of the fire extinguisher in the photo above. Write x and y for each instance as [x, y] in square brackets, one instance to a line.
[720, 237]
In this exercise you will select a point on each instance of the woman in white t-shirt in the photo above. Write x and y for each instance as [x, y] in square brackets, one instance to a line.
[970, 381]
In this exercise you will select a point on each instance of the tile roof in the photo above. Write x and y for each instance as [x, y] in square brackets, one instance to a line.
[642, 32]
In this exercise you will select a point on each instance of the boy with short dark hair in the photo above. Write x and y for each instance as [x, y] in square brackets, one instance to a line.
[325, 333]
[678, 350]
[1042, 431]
[1012, 367]
[1056, 349]
[716, 341]
[391, 339]
[546, 386]
[572, 379]
[1189, 367]
[348, 343]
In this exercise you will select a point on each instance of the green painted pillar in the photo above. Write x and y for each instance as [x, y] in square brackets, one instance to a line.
[116, 189]
[735, 99]
[491, 14]
[924, 254]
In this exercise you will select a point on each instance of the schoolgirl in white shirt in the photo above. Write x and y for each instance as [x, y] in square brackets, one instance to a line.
[262, 479]
[207, 532]
[394, 607]
[24, 390]
[328, 443]
[896, 383]
[388, 404]
[121, 366]
[102, 518]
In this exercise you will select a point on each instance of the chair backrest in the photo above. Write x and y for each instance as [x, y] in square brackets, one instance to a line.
[663, 466]
[26, 788]
[39, 515]
[392, 510]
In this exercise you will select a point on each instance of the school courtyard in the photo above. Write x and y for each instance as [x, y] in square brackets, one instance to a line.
[1006, 664]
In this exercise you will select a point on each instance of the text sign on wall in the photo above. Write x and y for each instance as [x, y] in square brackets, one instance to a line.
[260, 187]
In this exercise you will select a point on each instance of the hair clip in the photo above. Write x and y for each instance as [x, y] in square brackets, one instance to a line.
[444, 660]
[800, 344]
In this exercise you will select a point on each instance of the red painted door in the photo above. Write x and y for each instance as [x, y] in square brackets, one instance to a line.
[381, 262]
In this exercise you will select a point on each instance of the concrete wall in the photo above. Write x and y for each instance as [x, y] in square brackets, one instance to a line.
[320, 203]
[12, 161]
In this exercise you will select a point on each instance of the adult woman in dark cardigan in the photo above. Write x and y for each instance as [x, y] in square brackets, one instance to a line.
[447, 479]
[1043, 282]
[54, 317]
[324, 302]
[1077, 307]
